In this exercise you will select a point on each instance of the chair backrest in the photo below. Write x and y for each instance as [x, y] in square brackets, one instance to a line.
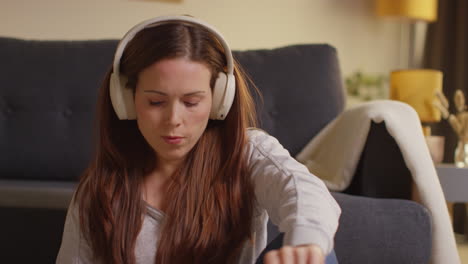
[48, 92]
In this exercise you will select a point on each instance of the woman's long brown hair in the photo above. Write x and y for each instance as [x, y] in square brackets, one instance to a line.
[209, 201]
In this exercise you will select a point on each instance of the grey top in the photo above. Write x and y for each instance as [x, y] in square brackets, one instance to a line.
[295, 200]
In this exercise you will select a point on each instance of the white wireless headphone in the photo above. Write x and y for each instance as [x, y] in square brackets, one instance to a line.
[122, 98]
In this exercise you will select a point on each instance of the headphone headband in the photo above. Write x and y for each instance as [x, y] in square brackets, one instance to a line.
[161, 20]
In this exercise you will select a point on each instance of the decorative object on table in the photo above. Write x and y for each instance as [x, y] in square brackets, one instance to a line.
[458, 122]
[419, 13]
[362, 87]
[418, 88]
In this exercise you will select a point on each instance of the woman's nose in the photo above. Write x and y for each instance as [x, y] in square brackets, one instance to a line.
[173, 115]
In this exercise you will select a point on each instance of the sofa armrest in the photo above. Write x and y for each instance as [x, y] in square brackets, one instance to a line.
[382, 231]
[334, 156]
[33, 215]
[36, 194]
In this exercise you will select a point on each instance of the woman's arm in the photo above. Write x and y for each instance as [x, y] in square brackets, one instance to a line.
[297, 201]
[74, 248]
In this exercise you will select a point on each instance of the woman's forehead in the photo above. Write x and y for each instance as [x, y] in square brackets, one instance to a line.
[180, 74]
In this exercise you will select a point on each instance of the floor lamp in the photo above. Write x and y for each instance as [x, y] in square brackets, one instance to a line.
[413, 85]
[416, 12]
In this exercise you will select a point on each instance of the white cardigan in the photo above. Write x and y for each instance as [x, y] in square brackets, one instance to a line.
[334, 153]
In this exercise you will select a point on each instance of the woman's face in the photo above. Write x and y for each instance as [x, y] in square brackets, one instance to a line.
[173, 103]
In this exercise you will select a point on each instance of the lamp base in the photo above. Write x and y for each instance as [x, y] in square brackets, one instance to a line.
[436, 147]
[435, 144]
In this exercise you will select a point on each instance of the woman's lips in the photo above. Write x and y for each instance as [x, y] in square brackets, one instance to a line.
[173, 140]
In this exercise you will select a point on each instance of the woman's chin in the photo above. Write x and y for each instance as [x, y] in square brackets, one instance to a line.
[172, 156]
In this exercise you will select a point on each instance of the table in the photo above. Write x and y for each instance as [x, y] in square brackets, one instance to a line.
[454, 182]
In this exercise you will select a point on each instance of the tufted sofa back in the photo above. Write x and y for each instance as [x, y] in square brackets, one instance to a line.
[48, 92]
[301, 87]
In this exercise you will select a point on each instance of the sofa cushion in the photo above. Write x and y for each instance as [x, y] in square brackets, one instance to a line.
[375, 230]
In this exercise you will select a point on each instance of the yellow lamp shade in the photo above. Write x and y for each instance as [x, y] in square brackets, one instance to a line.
[417, 88]
[425, 10]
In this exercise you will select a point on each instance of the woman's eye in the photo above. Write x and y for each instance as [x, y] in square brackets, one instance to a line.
[156, 103]
[190, 104]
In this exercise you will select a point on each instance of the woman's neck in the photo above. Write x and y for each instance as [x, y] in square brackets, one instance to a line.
[156, 182]
[165, 168]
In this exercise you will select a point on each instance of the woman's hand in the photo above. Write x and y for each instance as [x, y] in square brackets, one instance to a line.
[307, 254]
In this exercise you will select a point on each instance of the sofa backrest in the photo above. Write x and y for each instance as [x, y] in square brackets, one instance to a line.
[302, 90]
[48, 91]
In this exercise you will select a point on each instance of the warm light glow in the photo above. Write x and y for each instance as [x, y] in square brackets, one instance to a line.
[417, 88]
[425, 10]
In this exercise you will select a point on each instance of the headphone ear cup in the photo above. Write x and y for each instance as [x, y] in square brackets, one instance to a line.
[218, 93]
[230, 93]
[223, 96]
[122, 98]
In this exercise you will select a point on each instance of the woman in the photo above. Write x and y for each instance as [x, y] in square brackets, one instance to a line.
[184, 180]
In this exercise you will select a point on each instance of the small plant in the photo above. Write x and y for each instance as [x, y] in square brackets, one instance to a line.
[366, 86]
[459, 120]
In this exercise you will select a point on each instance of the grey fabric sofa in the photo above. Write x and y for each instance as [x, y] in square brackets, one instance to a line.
[48, 91]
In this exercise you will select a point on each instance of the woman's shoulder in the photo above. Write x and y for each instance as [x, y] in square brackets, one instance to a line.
[262, 144]
[259, 137]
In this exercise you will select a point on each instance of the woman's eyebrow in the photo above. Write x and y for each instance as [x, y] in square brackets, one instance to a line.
[194, 93]
[165, 94]
[154, 91]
